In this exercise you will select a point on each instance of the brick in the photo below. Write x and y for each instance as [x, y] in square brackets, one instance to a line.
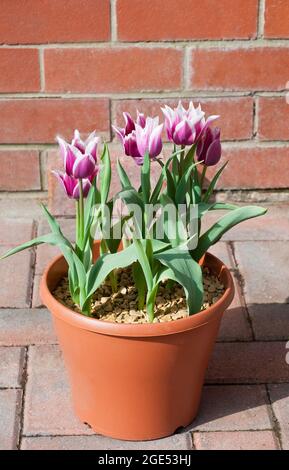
[19, 71]
[235, 324]
[36, 301]
[236, 114]
[20, 170]
[25, 326]
[276, 19]
[239, 69]
[66, 21]
[269, 285]
[206, 21]
[248, 168]
[15, 275]
[67, 226]
[11, 367]
[47, 406]
[223, 252]
[245, 440]
[177, 442]
[252, 362]
[276, 128]
[41, 120]
[233, 408]
[106, 70]
[45, 253]
[10, 404]
[21, 205]
[15, 231]
[279, 395]
[273, 226]
[264, 289]
[270, 321]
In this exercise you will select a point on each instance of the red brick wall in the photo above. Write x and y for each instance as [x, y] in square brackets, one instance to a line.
[80, 63]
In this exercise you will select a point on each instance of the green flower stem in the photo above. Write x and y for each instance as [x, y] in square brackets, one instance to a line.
[87, 309]
[77, 222]
[81, 214]
[112, 275]
[182, 160]
[78, 244]
[150, 312]
[148, 244]
[203, 176]
[150, 303]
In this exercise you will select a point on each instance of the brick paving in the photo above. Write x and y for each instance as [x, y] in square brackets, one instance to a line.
[245, 402]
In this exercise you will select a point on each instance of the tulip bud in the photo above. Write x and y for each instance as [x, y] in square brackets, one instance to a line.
[209, 148]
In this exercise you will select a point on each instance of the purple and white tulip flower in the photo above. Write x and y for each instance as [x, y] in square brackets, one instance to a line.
[148, 138]
[140, 137]
[185, 126]
[80, 163]
[80, 158]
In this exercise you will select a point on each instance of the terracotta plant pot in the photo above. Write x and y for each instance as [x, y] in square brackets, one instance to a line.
[136, 382]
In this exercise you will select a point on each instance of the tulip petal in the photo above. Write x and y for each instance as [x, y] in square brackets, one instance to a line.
[70, 157]
[129, 123]
[84, 166]
[85, 189]
[214, 153]
[130, 146]
[119, 132]
[207, 123]
[63, 147]
[141, 120]
[67, 182]
[142, 138]
[155, 142]
[184, 134]
[91, 136]
[91, 147]
[78, 142]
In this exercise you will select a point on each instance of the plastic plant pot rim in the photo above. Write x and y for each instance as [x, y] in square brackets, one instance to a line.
[142, 329]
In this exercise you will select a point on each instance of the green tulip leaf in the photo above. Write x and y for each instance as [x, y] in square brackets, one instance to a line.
[213, 235]
[124, 179]
[187, 272]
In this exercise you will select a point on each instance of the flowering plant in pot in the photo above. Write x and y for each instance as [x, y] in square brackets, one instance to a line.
[137, 307]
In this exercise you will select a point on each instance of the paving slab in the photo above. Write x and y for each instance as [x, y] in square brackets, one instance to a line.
[10, 407]
[11, 367]
[264, 268]
[16, 279]
[19, 327]
[249, 362]
[233, 408]
[243, 440]
[48, 408]
[279, 395]
[177, 442]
